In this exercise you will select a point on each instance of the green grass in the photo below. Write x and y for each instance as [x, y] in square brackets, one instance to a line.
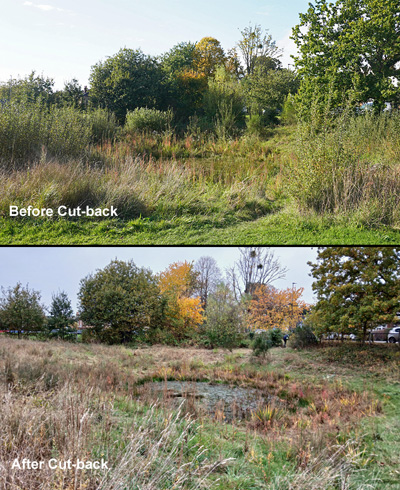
[277, 229]
[302, 185]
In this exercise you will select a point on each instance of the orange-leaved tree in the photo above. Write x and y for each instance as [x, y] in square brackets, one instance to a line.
[184, 312]
[271, 307]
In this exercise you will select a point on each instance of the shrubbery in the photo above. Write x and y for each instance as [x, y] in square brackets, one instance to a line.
[303, 337]
[143, 119]
[30, 131]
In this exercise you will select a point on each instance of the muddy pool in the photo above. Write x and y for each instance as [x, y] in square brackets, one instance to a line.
[221, 400]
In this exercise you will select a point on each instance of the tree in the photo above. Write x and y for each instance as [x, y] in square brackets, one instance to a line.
[208, 55]
[121, 301]
[267, 88]
[71, 95]
[184, 87]
[255, 46]
[208, 276]
[224, 322]
[357, 288]
[127, 80]
[61, 316]
[21, 311]
[348, 49]
[183, 310]
[256, 266]
[33, 88]
[179, 58]
[276, 308]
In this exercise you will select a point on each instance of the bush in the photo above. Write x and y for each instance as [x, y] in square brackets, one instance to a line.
[103, 124]
[303, 337]
[261, 344]
[144, 119]
[255, 124]
[276, 337]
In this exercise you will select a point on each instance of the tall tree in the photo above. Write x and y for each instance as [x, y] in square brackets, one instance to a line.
[20, 310]
[271, 307]
[357, 288]
[127, 80]
[208, 55]
[255, 46]
[256, 266]
[208, 276]
[224, 324]
[183, 311]
[61, 316]
[348, 49]
[121, 301]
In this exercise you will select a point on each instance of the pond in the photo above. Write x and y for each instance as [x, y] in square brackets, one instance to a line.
[220, 400]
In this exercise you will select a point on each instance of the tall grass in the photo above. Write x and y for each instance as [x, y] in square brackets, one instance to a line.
[29, 131]
[348, 166]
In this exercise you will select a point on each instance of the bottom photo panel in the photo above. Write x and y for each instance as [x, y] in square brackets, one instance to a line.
[152, 368]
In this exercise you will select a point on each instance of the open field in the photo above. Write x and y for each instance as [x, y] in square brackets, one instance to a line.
[331, 420]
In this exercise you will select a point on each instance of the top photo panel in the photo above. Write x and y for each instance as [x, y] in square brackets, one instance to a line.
[214, 122]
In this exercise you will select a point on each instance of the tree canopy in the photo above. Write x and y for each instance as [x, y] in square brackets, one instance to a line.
[357, 288]
[349, 49]
[20, 310]
[121, 301]
[127, 80]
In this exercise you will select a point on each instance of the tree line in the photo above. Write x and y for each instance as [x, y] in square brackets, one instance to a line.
[348, 54]
[357, 289]
[198, 81]
[188, 301]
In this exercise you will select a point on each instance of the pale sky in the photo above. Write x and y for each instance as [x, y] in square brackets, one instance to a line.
[51, 269]
[62, 39]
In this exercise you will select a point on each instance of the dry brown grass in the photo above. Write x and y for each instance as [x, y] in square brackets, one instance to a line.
[74, 400]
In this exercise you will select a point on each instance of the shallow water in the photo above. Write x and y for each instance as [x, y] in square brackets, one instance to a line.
[234, 402]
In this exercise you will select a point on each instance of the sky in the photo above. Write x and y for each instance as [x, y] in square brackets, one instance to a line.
[53, 269]
[62, 39]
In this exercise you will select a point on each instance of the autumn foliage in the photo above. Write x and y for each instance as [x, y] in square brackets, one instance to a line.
[184, 311]
[271, 307]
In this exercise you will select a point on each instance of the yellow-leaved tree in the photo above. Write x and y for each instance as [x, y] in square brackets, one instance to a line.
[183, 312]
[280, 308]
[208, 54]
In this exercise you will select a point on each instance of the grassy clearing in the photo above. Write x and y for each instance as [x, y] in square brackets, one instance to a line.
[335, 426]
[335, 183]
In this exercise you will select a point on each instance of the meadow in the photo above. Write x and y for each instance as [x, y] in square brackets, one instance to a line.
[331, 421]
[329, 181]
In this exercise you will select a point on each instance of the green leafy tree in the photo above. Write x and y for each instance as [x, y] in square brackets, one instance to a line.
[127, 80]
[71, 95]
[224, 319]
[61, 316]
[348, 49]
[120, 302]
[357, 288]
[256, 46]
[184, 87]
[267, 88]
[21, 311]
[33, 88]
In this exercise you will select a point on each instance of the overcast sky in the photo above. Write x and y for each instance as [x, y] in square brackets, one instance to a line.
[62, 39]
[51, 269]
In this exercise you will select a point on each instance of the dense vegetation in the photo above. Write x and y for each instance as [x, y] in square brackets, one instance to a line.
[228, 141]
